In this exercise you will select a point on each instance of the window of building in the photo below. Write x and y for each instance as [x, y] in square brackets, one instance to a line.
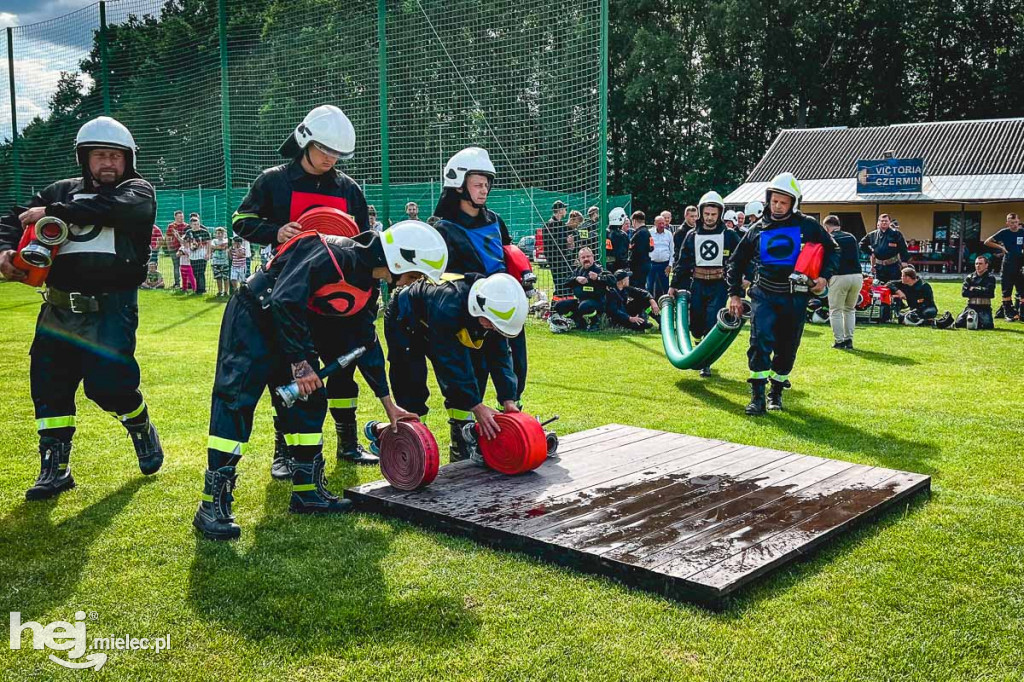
[852, 223]
[947, 228]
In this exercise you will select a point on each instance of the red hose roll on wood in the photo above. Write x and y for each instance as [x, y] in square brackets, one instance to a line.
[521, 445]
[410, 457]
[329, 220]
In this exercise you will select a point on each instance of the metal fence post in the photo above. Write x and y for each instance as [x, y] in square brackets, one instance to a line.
[602, 143]
[14, 114]
[225, 108]
[382, 79]
[104, 70]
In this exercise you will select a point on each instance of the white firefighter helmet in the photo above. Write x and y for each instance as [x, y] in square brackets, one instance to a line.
[558, 324]
[617, 216]
[711, 198]
[913, 319]
[104, 132]
[730, 216]
[784, 183]
[972, 318]
[469, 160]
[819, 316]
[501, 300]
[414, 246]
[754, 208]
[327, 127]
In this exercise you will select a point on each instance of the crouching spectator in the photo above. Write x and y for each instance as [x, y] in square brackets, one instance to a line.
[979, 289]
[628, 306]
[154, 280]
[589, 285]
[914, 294]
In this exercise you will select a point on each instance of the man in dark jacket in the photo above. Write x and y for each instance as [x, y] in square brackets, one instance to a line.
[700, 267]
[640, 247]
[266, 341]
[888, 250]
[448, 323]
[778, 302]
[268, 215]
[557, 250]
[979, 289]
[628, 306]
[913, 293]
[589, 283]
[85, 333]
[844, 286]
[616, 243]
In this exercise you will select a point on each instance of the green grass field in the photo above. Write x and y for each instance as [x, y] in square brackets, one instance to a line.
[932, 591]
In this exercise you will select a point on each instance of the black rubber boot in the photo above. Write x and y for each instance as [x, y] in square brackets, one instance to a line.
[147, 447]
[54, 470]
[945, 322]
[309, 490]
[1020, 312]
[705, 372]
[756, 407]
[775, 395]
[459, 449]
[1006, 311]
[214, 518]
[349, 449]
[281, 467]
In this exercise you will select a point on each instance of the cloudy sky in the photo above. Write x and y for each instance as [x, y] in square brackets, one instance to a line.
[43, 50]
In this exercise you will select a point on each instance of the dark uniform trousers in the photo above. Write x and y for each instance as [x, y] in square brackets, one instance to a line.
[333, 337]
[249, 362]
[776, 326]
[519, 362]
[96, 349]
[582, 312]
[887, 273]
[707, 297]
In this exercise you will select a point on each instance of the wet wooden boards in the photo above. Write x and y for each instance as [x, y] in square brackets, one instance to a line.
[690, 518]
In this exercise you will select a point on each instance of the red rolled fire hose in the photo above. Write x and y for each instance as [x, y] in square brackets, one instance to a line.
[520, 446]
[410, 457]
[329, 220]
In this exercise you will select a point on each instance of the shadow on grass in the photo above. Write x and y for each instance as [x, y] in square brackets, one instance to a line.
[884, 358]
[778, 583]
[184, 320]
[44, 561]
[310, 581]
[28, 303]
[814, 425]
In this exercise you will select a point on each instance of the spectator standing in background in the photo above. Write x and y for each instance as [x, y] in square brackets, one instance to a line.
[412, 211]
[155, 242]
[689, 222]
[557, 249]
[188, 278]
[662, 257]
[375, 224]
[588, 231]
[175, 235]
[199, 237]
[844, 286]
[640, 247]
[240, 255]
[220, 262]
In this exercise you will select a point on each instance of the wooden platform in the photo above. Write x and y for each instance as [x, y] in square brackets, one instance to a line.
[687, 517]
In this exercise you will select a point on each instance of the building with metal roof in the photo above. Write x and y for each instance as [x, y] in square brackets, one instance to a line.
[938, 180]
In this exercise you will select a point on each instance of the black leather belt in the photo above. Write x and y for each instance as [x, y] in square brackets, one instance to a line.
[888, 261]
[774, 287]
[74, 301]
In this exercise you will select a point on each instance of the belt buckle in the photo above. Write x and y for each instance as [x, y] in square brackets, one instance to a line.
[73, 301]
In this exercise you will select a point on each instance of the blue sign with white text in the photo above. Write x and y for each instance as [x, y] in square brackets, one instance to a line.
[887, 176]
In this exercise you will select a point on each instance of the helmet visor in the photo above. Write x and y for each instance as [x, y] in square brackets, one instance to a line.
[332, 153]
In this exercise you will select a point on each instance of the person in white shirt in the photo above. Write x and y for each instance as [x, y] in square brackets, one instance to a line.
[662, 257]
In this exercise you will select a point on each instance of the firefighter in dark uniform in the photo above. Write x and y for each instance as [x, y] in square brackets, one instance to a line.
[268, 215]
[616, 243]
[476, 235]
[887, 248]
[778, 303]
[266, 341]
[913, 293]
[587, 233]
[628, 306]
[589, 284]
[450, 323]
[556, 247]
[1010, 240]
[979, 289]
[85, 333]
[700, 266]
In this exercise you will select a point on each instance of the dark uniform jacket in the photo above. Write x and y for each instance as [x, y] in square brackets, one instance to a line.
[555, 247]
[617, 245]
[918, 295]
[586, 236]
[618, 301]
[768, 251]
[475, 244]
[439, 315]
[678, 237]
[640, 247]
[314, 274]
[111, 228]
[979, 286]
[593, 289]
[885, 244]
[283, 193]
[849, 261]
[686, 258]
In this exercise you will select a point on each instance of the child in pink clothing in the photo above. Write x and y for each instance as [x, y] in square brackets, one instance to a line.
[188, 278]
